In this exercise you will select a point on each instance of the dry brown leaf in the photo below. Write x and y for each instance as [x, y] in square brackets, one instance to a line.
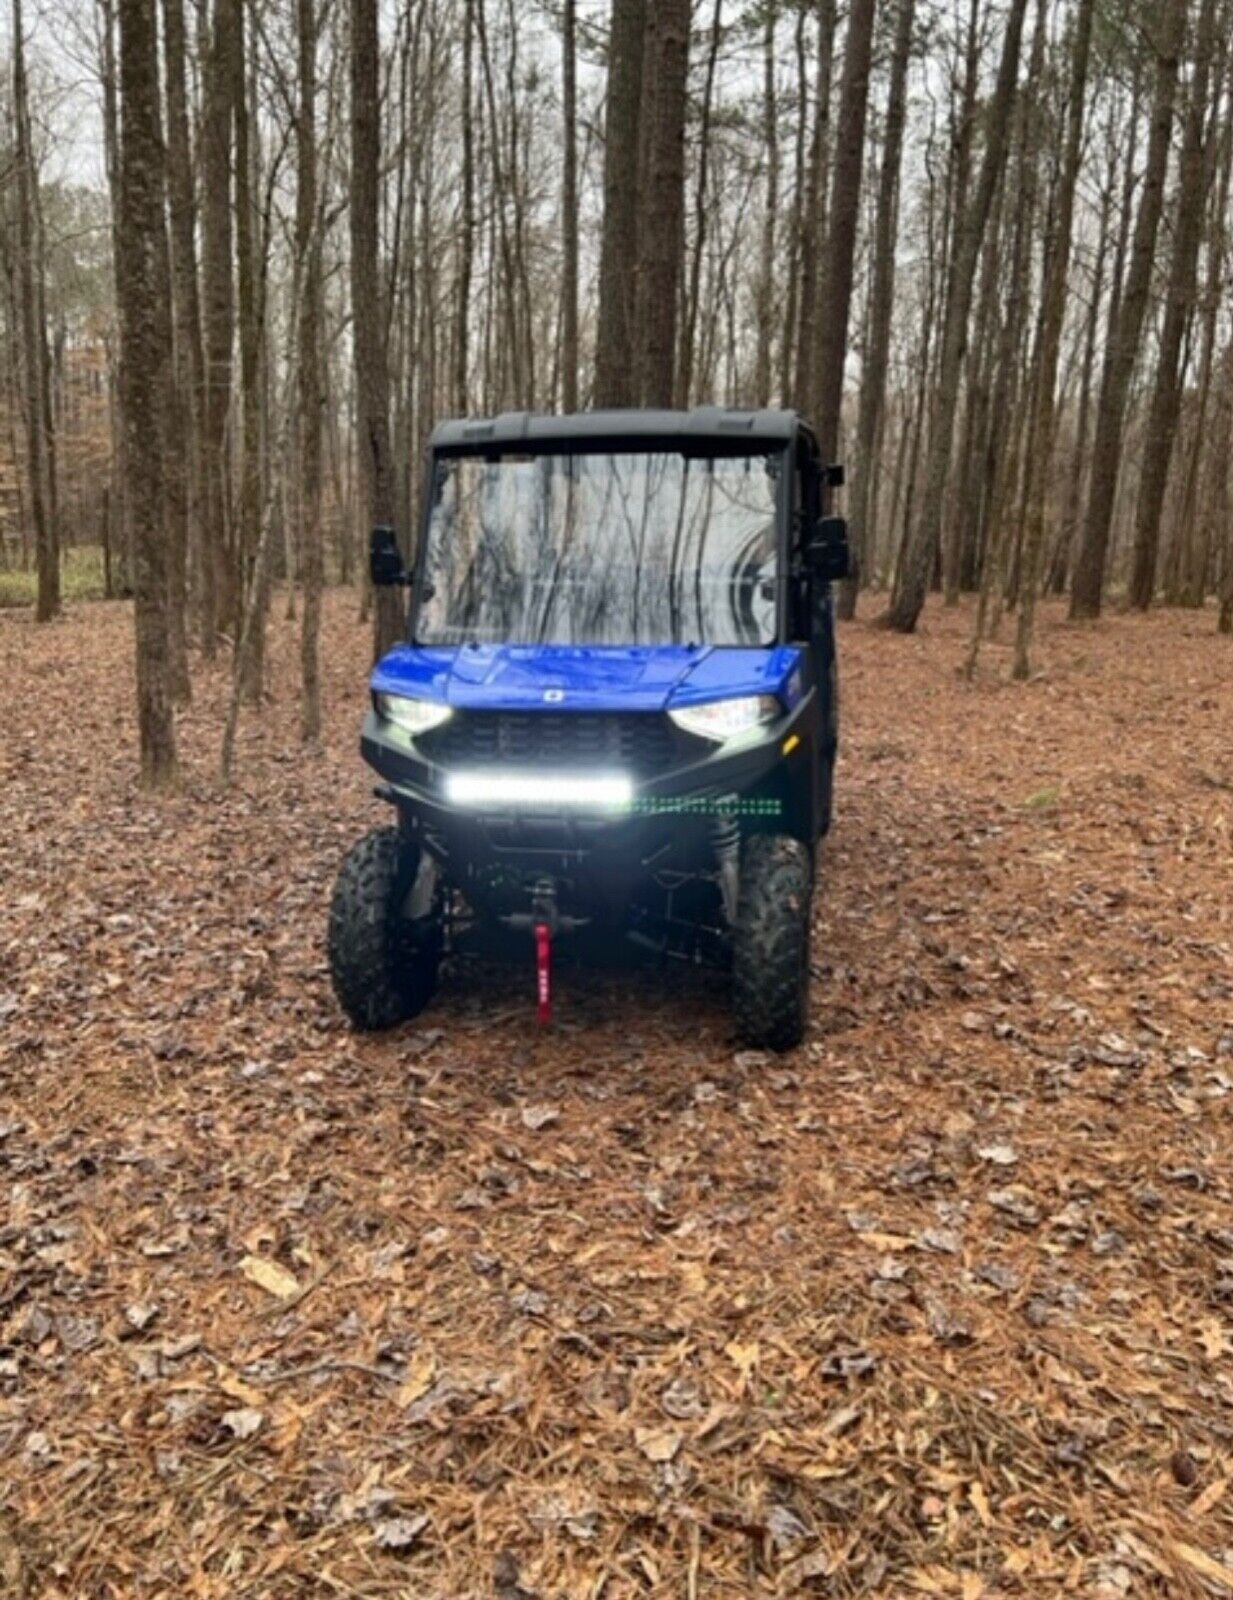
[744, 1357]
[268, 1275]
[658, 1444]
[245, 1422]
[419, 1379]
[693, 1279]
[239, 1390]
[980, 1502]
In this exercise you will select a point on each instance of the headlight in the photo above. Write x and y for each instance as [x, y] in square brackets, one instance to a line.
[414, 716]
[725, 719]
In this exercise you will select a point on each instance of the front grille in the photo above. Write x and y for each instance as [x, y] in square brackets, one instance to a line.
[640, 743]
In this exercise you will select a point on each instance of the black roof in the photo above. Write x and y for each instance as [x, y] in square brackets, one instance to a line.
[597, 427]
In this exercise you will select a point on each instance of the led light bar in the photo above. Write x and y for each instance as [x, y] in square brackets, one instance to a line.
[553, 791]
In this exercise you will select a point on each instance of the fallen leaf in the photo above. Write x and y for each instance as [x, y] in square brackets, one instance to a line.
[744, 1357]
[817, 1564]
[998, 1155]
[268, 1275]
[237, 1389]
[541, 1116]
[140, 1315]
[657, 1444]
[398, 1533]
[245, 1422]
[419, 1379]
[785, 1528]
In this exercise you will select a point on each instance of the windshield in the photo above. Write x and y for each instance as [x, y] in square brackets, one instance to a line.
[621, 549]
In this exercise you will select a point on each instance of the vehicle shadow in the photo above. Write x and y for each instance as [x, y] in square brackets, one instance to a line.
[597, 985]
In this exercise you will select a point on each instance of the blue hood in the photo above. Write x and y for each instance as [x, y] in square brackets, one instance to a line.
[585, 678]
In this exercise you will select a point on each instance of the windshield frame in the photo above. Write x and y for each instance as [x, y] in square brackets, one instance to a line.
[693, 447]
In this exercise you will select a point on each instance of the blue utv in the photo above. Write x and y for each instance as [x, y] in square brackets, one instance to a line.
[615, 717]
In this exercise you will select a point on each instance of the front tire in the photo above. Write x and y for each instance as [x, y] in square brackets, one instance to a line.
[383, 966]
[770, 970]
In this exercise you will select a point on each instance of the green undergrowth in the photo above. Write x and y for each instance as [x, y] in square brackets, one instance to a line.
[81, 578]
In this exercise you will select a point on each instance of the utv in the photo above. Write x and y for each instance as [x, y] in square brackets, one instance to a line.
[616, 713]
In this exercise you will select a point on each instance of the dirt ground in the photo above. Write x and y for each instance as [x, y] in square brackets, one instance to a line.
[940, 1304]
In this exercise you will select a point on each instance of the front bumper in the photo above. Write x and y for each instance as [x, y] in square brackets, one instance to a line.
[767, 783]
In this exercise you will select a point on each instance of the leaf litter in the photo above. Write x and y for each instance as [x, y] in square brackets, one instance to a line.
[941, 1304]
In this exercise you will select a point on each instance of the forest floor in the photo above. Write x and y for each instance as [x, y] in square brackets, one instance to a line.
[940, 1304]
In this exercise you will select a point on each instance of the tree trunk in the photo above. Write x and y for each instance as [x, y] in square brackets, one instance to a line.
[1087, 593]
[466, 244]
[368, 319]
[813, 222]
[766, 271]
[146, 376]
[310, 396]
[881, 308]
[662, 247]
[218, 304]
[840, 260]
[926, 536]
[1200, 539]
[39, 460]
[1043, 425]
[787, 346]
[685, 364]
[184, 466]
[618, 265]
[569, 212]
[252, 664]
[118, 563]
[1194, 176]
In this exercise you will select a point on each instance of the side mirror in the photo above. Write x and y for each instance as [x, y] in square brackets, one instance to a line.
[835, 476]
[385, 560]
[826, 554]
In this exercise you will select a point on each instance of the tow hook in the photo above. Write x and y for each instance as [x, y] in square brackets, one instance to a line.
[544, 920]
[543, 972]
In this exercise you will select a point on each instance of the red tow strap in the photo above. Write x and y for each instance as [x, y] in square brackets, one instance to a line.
[543, 970]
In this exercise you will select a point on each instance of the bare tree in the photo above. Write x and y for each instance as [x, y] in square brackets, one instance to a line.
[1087, 594]
[1194, 176]
[146, 376]
[466, 244]
[765, 290]
[186, 495]
[908, 603]
[310, 396]
[689, 331]
[218, 307]
[662, 246]
[1052, 320]
[881, 306]
[40, 460]
[367, 311]
[618, 267]
[812, 220]
[569, 210]
[840, 259]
